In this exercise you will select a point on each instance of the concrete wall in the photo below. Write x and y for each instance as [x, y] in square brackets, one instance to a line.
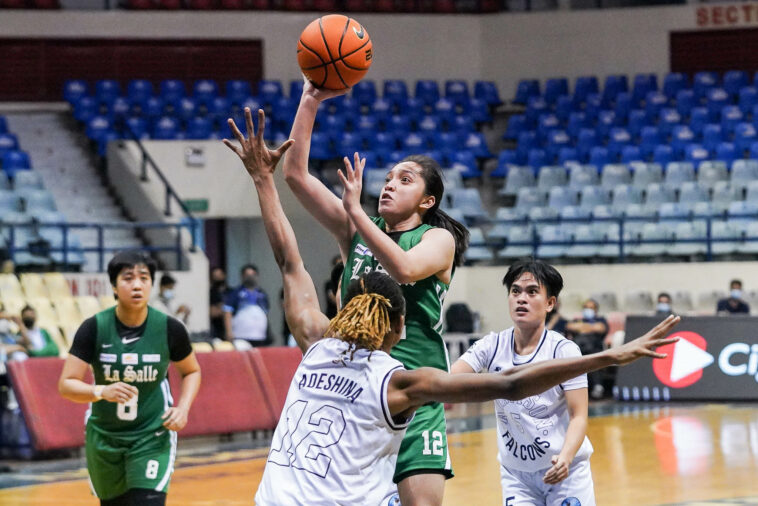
[502, 47]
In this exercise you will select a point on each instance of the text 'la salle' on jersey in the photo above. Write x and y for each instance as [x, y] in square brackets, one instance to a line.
[531, 430]
[336, 441]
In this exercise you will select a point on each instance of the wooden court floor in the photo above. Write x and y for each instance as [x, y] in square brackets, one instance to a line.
[696, 455]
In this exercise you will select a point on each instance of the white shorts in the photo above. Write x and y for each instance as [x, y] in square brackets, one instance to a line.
[522, 488]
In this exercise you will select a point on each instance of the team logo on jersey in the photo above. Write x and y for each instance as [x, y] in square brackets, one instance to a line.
[685, 360]
[394, 500]
[360, 249]
[151, 358]
[130, 358]
[109, 358]
[571, 501]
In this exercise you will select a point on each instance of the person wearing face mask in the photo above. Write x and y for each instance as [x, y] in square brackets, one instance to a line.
[589, 333]
[35, 340]
[218, 292]
[663, 306]
[246, 310]
[166, 299]
[734, 303]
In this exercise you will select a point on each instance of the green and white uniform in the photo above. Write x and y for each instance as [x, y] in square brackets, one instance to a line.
[425, 444]
[126, 444]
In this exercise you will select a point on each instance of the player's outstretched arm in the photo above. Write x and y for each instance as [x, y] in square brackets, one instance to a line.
[410, 389]
[304, 317]
[309, 190]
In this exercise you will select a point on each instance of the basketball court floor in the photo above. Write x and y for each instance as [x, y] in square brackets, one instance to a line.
[676, 454]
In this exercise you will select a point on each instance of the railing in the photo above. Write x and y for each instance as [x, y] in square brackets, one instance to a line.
[624, 243]
[39, 244]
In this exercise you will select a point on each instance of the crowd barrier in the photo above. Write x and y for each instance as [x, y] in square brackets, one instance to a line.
[240, 391]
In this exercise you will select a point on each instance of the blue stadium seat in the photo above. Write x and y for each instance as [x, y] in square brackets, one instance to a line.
[457, 91]
[562, 196]
[469, 201]
[154, 108]
[551, 176]
[726, 152]
[599, 156]
[568, 155]
[487, 92]
[618, 138]
[444, 109]
[734, 80]
[584, 86]
[663, 154]
[219, 110]
[364, 92]
[588, 138]
[698, 119]
[614, 175]
[516, 125]
[731, 115]
[172, 90]
[744, 136]
[237, 90]
[592, 107]
[638, 119]
[199, 128]
[556, 140]
[185, 108]
[534, 109]
[643, 84]
[614, 84]
[668, 119]
[517, 177]
[681, 136]
[166, 128]
[554, 242]
[624, 105]
[691, 192]
[679, 172]
[576, 121]
[583, 175]
[34, 198]
[478, 110]
[85, 109]
[270, 90]
[712, 136]
[365, 124]
[654, 102]
[24, 179]
[3, 125]
[650, 137]
[685, 101]
[382, 109]
[8, 142]
[717, 98]
[537, 158]
[526, 142]
[463, 125]
[526, 89]
[139, 90]
[395, 91]
[554, 88]
[106, 90]
[97, 127]
[563, 107]
[605, 121]
[547, 123]
[748, 99]
[348, 143]
[15, 160]
[295, 90]
[428, 124]
[703, 82]
[415, 142]
[427, 91]
[465, 163]
[204, 91]
[647, 173]
[673, 83]
[119, 109]
[400, 125]
[321, 146]
[656, 194]
[74, 89]
[477, 145]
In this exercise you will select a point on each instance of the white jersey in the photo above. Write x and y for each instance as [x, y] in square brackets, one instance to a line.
[531, 430]
[336, 441]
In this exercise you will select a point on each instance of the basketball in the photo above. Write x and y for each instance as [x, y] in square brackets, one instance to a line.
[334, 52]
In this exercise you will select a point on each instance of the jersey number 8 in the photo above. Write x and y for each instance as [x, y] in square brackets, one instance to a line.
[127, 410]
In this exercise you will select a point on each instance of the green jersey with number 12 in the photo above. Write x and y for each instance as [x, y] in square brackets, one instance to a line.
[423, 345]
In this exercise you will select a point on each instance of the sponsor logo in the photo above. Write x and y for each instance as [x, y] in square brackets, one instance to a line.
[129, 341]
[109, 358]
[360, 34]
[107, 345]
[151, 358]
[685, 361]
[737, 359]
[360, 249]
[130, 358]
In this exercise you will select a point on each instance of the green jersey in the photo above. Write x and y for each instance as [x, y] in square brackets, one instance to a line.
[423, 345]
[141, 361]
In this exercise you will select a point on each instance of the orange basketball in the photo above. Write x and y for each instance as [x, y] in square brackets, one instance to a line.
[334, 52]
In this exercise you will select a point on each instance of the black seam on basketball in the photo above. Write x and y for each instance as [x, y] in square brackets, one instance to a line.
[353, 68]
[314, 52]
[326, 44]
[342, 38]
[339, 75]
[355, 50]
[324, 64]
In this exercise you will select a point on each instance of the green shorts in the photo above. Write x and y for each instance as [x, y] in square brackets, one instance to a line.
[424, 447]
[117, 464]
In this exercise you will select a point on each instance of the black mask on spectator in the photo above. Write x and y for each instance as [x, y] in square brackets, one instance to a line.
[28, 322]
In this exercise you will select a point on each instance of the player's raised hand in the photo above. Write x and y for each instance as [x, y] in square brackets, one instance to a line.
[258, 159]
[119, 392]
[320, 94]
[646, 345]
[352, 182]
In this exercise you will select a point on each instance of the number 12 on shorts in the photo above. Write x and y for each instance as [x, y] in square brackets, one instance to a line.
[436, 443]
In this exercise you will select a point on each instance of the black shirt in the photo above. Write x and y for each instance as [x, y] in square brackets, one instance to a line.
[84, 341]
[734, 306]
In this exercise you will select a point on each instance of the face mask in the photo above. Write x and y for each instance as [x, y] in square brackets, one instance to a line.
[28, 322]
[588, 313]
[663, 307]
[168, 294]
[249, 281]
[736, 293]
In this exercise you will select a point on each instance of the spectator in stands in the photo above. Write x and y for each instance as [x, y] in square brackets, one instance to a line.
[663, 306]
[734, 303]
[166, 299]
[35, 340]
[588, 333]
[246, 310]
[331, 287]
[9, 348]
[218, 292]
[555, 320]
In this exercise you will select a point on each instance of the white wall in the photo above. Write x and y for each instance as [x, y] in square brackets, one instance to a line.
[502, 47]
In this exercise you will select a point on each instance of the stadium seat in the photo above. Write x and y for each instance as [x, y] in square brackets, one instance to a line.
[668, 119]
[624, 195]
[516, 125]
[15, 160]
[692, 192]
[583, 175]
[517, 177]
[673, 83]
[681, 136]
[551, 176]
[427, 91]
[726, 152]
[731, 116]
[599, 156]
[562, 196]
[526, 89]
[73, 90]
[674, 212]
[744, 136]
[519, 244]
[554, 242]
[703, 82]
[364, 92]
[576, 214]
[614, 84]
[593, 196]
[657, 194]
[734, 81]
[679, 172]
[457, 91]
[726, 239]
[469, 201]
[615, 174]
[487, 91]
[717, 98]
[528, 198]
[643, 84]
[724, 193]
[205, 90]
[748, 99]
[695, 153]
[57, 286]
[584, 86]
[685, 101]
[107, 90]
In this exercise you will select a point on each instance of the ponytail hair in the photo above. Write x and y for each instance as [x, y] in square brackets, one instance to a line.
[434, 216]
